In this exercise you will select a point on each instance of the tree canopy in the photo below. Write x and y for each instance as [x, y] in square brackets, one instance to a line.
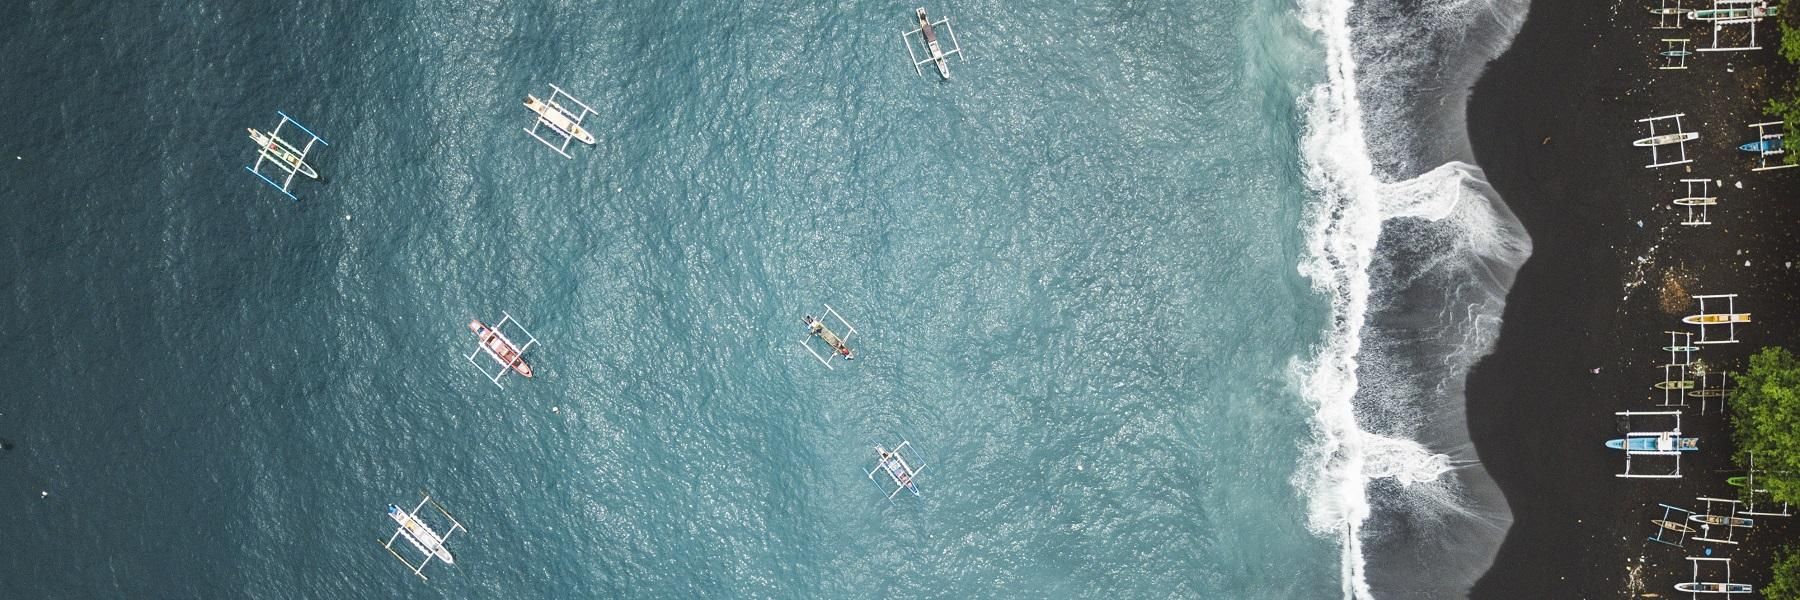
[1784, 581]
[1765, 418]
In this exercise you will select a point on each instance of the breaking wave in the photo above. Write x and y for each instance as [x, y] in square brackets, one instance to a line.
[1415, 253]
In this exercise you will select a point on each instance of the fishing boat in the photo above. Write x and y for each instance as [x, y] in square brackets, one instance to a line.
[558, 119]
[901, 472]
[279, 149]
[422, 537]
[1667, 138]
[1712, 588]
[1665, 442]
[1716, 318]
[501, 349]
[1760, 146]
[1722, 520]
[1725, 14]
[931, 44]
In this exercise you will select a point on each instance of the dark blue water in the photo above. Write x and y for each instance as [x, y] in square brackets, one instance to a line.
[1072, 269]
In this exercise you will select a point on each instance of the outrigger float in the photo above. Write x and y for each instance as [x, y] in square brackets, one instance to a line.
[817, 329]
[494, 342]
[423, 538]
[903, 475]
[561, 121]
[934, 53]
[276, 151]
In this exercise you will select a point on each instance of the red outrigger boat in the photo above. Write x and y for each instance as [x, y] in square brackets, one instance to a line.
[500, 348]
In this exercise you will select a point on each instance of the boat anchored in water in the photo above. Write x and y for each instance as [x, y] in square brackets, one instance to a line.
[493, 342]
[554, 114]
[934, 52]
[421, 536]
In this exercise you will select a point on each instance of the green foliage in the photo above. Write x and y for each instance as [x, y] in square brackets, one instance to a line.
[1787, 108]
[1784, 582]
[1790, 42]
[1765, 420]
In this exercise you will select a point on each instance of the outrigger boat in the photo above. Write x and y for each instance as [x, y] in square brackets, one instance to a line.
[1667, 138]
[934, 52]
[817, 329]
[898, 470]
[494, 342]
[1726, 14]
[556, 114]
[1662, 442]
[271, 148]
[278, 149]
[556, 118]
[422, 537]
[1761, 146]
[1695, 586]
[1722, 520]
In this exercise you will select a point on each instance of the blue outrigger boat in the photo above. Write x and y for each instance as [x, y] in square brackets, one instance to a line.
[1665, 442]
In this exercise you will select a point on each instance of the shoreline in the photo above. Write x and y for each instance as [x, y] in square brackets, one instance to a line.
[1551, 123]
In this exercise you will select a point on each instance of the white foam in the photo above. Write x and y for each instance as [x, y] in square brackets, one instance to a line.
[1343, 228]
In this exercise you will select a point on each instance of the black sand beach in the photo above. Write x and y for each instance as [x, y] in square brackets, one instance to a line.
[1552, 122]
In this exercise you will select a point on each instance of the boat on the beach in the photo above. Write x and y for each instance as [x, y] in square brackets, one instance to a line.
[1665, 442]
[1668, 138]
[1724, 14]
[1722, 520]
[1713, 588]
[1760, 146]
[558, 119]
[1716, 318]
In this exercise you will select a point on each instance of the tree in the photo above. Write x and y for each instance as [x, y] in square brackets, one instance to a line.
[1765, 420]
[1784, 582]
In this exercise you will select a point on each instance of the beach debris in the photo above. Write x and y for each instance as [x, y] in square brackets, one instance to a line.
[1673, 297]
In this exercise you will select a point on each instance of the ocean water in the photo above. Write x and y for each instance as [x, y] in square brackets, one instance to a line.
[1112, 281]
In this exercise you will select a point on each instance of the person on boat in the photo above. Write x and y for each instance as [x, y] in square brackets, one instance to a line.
[845, 350]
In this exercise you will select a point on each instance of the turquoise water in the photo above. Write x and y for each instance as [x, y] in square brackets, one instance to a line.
[1073, 270]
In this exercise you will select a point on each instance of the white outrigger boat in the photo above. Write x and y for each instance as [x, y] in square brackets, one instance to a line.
[934, 52]
[555, 114]
[422, 537]
[1695, 587]
[272, 149]
[901, 473]
[1655, 141]
[1726, 11]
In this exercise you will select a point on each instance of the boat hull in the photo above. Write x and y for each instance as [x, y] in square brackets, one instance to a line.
[557, 120]
[501, 349]
[280, 152]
